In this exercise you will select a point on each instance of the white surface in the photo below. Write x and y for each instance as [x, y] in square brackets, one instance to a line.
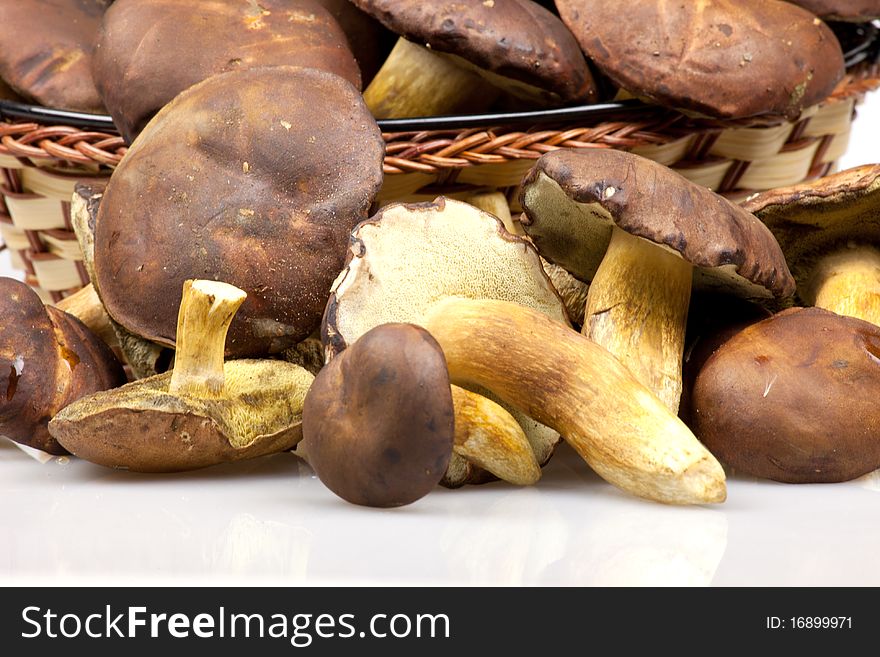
[271, 522]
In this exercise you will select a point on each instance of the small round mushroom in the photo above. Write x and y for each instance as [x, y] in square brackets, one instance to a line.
[794, 398]
[46, 51]
[829, 230]
[230, 182]
[48, 359]
[409, 255]
[643, 236]
[149, 51]
[859, 11]
[378, 423]
[203, 412]
[719, 58]
[448, 51]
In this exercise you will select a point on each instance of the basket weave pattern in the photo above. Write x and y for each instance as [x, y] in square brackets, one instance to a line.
[39, 165]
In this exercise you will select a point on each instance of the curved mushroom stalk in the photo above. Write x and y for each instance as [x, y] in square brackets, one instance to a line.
[622, 430]
[637, 309]
[414, 81]
[847, 282]
[202, 413]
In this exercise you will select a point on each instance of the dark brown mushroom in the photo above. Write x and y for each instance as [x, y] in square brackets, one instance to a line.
[46, 51]
[720, 58]
[203, 412]
[794, 398]
[151, 50]
[448, 51]
[829, 230]
[378, 422]
[643, 236]
[230, 182]
[48, 359]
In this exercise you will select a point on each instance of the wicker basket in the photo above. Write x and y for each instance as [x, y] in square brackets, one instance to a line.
[40, 161]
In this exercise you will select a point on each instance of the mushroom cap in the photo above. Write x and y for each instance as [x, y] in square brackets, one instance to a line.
[144, 428]
[516, 39]
[573, 199]
[48, 359]
[149, 51]
[720, 58]
[842, 10]
[378, 422]
[814, 218]
[794, 398]
[368, 39]
[46, 51]
[407, 256]
[240, 179]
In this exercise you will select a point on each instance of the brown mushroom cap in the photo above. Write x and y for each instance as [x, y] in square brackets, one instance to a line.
[48, 359]
[721, 58]
[573, 199]
[516, 39]
[143, 427]
[368, 40]
[811, 219]
[794, 398]
[842, 10]
[253, 177]
[151, 50]
[46, 50]
[378, 422]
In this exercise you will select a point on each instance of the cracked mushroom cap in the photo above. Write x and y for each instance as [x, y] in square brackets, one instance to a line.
[144, 428]
[794, 398]
[720, 58]
[46, 51]
[814, 218]
[573, 199]
[842, 10]
[378, 423]
[253, 177]
[48, 359]
[151, 50]
[515, 39]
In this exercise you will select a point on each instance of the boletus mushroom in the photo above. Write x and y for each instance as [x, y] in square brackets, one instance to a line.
[407, 256]
[643, 236]
[149, 51]
[203, 412]
[459, 56]
[378, 423]
[46, 51]
[562, 379]
[48, 359]
[793, 398]
[829, 230]
[231, 182]
[719, 58]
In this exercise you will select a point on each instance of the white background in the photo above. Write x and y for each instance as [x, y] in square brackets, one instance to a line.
[271, 522]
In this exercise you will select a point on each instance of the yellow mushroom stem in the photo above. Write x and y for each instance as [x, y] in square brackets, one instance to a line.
[87, 308]
[562, 379]
[206, 311]
[414, 81]
[637, 309]
[489, 437]
[847, 282]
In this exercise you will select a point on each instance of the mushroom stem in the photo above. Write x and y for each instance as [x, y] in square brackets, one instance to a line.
[847, 282]
[87, 308]
[489, 437]
[206, 311]
[414, 81]
[637, 309]
[571, 384]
